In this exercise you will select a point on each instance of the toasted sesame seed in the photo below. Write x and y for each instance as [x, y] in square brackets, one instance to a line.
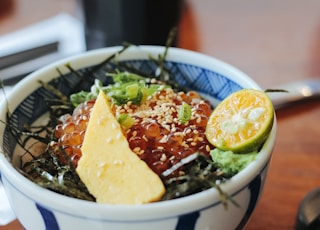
[136, 149]
[163, 139]
[193, 143]
[184, 144]
[163, 157]
[178, 134]
[167, 127]
[144, 137]
[141, 152]
[188, 131]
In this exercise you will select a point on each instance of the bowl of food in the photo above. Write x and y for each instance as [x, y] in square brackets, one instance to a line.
[139, 137]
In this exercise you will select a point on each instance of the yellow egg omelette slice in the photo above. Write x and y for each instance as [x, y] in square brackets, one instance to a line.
[112, 172]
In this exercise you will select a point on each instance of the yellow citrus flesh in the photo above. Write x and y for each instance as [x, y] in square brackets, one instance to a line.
[241, 122]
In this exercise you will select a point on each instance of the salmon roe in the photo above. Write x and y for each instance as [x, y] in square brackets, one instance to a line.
[157, 136]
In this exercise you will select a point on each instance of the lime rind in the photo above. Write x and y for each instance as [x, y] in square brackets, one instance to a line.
[227, 126]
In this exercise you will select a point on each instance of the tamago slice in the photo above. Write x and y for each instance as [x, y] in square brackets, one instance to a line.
[241, 122]
[113, 173]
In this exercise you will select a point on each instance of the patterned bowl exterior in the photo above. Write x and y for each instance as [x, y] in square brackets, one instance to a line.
[38, 208]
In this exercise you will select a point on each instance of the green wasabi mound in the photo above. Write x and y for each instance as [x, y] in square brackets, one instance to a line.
[231, 163]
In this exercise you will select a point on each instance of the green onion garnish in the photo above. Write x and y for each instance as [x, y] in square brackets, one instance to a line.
[125, 120]
[184, 113]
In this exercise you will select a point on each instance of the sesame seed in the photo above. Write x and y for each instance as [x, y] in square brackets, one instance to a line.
[178, 134]
[193, 143]
[167, 127]
[141, 152]
[184, 144]
[188, 131]
[163, 157]
[163, 139]
[136, 149]
[145, 138]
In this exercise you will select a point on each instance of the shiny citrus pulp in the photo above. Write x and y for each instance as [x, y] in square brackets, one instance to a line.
[241, 122]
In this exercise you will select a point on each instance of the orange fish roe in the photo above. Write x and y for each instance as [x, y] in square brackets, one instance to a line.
[70, 133]
[157, 135]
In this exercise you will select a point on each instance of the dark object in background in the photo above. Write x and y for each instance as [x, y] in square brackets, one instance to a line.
[308, 217]
[143, 22]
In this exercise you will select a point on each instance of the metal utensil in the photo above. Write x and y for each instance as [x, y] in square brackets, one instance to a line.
[296, 91]
[308, 217]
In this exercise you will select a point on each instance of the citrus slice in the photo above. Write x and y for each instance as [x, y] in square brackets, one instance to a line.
[241, 122]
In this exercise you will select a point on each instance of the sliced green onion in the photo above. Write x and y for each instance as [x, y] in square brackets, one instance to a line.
[78, 98]
[145, 94]
[132, 90]
[125, 120]
[184, 113]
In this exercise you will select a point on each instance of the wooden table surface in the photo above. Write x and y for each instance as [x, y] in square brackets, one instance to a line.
[274, 42]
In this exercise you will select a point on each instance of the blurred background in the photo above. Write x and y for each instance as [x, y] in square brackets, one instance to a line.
[274, 42]
[244, 33]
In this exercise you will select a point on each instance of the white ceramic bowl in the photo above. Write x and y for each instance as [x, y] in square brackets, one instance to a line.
[38, 208]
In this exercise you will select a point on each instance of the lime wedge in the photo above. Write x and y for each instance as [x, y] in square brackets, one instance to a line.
[241, 122]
